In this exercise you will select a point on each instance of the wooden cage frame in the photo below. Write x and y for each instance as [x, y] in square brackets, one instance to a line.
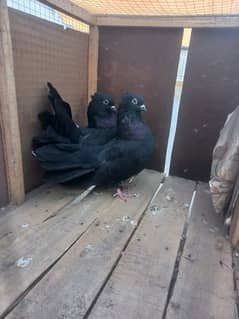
[8, 103]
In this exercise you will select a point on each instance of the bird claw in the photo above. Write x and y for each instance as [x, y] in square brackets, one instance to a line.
[123, 195]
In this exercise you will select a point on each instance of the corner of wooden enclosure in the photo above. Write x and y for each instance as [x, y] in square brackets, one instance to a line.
[9, 112]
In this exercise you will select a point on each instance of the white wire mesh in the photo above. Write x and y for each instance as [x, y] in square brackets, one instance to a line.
[45, 12]
[161, 7]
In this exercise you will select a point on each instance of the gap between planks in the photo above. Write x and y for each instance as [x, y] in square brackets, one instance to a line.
[179, 254]
[146, 182]
[42, 245]
[235, 262]
[122, 252]
[42, 204]
[118, 301]
[70, 302]
[138, 285]
[204, 286]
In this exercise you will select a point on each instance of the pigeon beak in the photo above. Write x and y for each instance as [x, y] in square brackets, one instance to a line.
[113, 108]
[143, 108]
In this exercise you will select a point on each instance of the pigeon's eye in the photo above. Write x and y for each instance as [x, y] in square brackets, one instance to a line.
[106, 102]
[134, 101]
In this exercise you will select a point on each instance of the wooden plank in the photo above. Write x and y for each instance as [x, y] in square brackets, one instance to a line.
[41, 246]
[9, 112]
[201, 133]
[204, 288]
[72, 9]
[233, 213]
[70, 288]
[3, 177]
[39, 206]
[93, 60]
[139, 285]
[235, 260]
[234, 230]
[168, 21]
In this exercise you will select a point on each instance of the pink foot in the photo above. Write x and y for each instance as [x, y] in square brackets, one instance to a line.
[123, 195]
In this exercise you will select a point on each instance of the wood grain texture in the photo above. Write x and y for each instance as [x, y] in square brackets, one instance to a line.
[9, 112]
[233, 211]
[204, 287]
[93, 61]
[139, 285]
[3, 177]
[210, 93]
[69, 289]
[44, 243]
[168, 21]
[42, 204]
[234, 230]
[235, 260]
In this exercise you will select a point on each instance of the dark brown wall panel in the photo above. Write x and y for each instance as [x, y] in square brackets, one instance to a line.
[3, 181]
[143, 61]
[211, 91]
[43, 52]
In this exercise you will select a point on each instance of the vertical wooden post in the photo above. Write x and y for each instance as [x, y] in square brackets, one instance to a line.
[9, 112]
[93, 60]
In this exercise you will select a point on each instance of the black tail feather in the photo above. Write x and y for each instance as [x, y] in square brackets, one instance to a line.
[53, 91]
[46, 119]
[54, 95]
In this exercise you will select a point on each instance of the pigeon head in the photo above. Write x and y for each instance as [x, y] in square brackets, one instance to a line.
[130, 123]
[102, 111]
[132, 103]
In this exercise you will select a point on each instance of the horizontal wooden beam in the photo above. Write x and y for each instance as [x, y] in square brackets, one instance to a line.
[72, 9]
[168, 21]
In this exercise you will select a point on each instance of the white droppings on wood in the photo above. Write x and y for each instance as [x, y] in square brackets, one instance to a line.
[25, 225]
[125, 218]
[154, 210]
[24, 262]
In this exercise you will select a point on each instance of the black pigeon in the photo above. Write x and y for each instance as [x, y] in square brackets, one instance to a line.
[60, 128]
[101, 111]
[108, 164]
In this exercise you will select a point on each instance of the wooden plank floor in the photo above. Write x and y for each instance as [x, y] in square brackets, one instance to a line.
[105, 258]
[206, 267]
[138, 287]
